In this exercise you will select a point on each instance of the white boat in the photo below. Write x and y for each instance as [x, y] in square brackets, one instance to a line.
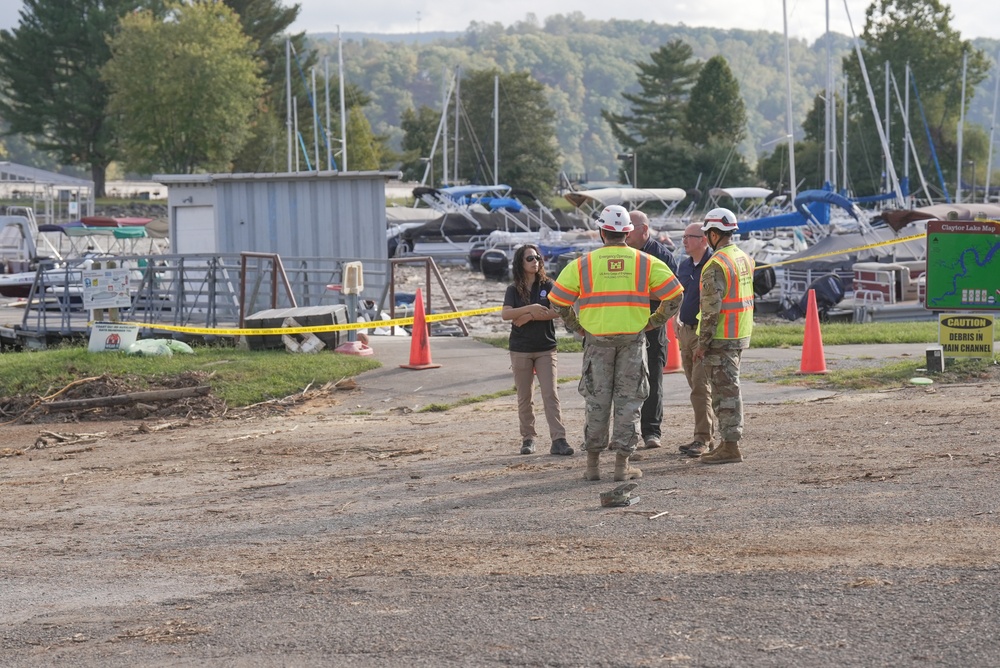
[67, 249]
[748, 202]
[592, 201]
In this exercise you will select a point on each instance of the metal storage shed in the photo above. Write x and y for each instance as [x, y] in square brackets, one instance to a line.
[300, 214]
[335, 216]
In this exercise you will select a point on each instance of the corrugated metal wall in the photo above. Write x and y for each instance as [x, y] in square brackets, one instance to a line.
[299, 215]
[336, 217]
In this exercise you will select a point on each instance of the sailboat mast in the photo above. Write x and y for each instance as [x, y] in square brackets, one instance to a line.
[829, 116]
[312, 74]
[496, 129]
[888, 126]
[891, 171]
[326, 131]
[961, 130]
[908, 139]
[458, 103]
[343, 103]
[993, 125]
[288, 98]
[843, 140]
[788, 105]
[446, 90]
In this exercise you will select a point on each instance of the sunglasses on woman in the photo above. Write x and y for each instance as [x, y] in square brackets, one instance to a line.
[532, 258]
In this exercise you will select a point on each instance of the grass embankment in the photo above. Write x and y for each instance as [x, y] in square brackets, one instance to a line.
[239, 377]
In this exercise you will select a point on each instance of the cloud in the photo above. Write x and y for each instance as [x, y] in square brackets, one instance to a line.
[806, 18]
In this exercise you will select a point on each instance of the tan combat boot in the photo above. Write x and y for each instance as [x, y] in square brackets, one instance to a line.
[593, 460]
[622, 469]
[728, 452]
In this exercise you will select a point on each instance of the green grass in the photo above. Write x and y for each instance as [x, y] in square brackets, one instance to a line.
[793, 333]
[893, 374]
[240, 377]
[845, 333]
[565, 344]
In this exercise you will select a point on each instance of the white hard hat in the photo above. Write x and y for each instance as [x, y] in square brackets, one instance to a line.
[615, 218]
[720, 219]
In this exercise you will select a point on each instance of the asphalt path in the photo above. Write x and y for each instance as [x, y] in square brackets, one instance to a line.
[469, 368]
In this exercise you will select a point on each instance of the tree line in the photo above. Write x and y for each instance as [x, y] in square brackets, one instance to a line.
[200, 86]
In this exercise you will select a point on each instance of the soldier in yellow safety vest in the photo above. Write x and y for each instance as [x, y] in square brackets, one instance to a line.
[612, 287]
[725, 324]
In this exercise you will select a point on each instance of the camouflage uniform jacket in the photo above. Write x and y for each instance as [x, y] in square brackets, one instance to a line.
[713, 288]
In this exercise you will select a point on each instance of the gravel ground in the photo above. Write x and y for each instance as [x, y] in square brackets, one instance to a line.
[861, 530]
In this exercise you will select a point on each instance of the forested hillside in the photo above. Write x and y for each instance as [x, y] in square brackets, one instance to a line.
[585, 65]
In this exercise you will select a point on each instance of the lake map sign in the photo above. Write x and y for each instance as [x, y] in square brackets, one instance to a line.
[963, 265]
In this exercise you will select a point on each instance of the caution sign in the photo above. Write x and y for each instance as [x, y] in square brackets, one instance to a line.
[966, 335]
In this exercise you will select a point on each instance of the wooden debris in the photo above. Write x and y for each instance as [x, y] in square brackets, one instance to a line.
[50, 438]
[144, 428]
[401, 453]
[121, 399]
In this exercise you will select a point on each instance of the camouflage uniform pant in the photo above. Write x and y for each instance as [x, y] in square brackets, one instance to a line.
[722, 366]
[614, 377]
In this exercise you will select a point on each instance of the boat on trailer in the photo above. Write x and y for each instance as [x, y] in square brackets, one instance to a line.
[660, 204]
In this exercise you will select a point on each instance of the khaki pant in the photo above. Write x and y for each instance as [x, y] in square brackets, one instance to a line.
[698, 381]
[525, 367]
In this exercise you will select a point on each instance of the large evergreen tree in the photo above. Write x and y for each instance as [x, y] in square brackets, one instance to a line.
[52, 92]
[183, 89]
[715, 110]
[677, 141]
[657, 111]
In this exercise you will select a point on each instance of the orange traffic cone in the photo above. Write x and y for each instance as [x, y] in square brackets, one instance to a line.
[813, 360]
[673, 364]
[420, 347]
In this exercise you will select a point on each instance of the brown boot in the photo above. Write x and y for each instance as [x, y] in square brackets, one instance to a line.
[593, 461]
[622, 469]
[728, 452]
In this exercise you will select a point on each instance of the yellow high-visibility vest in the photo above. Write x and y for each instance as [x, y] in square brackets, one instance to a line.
[736, 315]
[613, 285]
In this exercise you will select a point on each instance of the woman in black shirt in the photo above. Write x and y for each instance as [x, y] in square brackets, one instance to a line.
[532, 346]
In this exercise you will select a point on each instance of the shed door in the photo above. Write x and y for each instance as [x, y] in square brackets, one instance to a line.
[195, 230]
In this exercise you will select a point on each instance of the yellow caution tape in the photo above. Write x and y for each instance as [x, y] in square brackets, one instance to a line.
[845, 251]
[269, 331]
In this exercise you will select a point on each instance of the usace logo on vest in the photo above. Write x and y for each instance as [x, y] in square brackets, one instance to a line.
[616, 265]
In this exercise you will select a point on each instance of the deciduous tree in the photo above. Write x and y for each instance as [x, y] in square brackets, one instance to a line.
[183, 88]
[918, 33]
[419, 128]
[528, 154]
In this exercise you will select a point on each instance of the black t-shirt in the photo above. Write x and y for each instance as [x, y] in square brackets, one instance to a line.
[536, 336]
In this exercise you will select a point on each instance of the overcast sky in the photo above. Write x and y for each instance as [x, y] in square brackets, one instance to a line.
[806, 18]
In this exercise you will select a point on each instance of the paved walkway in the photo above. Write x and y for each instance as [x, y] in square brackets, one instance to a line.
[470, 369]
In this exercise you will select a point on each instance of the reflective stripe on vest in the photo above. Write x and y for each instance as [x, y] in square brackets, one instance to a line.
[604, 312]
[736, 314]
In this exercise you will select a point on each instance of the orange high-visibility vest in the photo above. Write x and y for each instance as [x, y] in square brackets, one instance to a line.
[736, 315]
[613, 285]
